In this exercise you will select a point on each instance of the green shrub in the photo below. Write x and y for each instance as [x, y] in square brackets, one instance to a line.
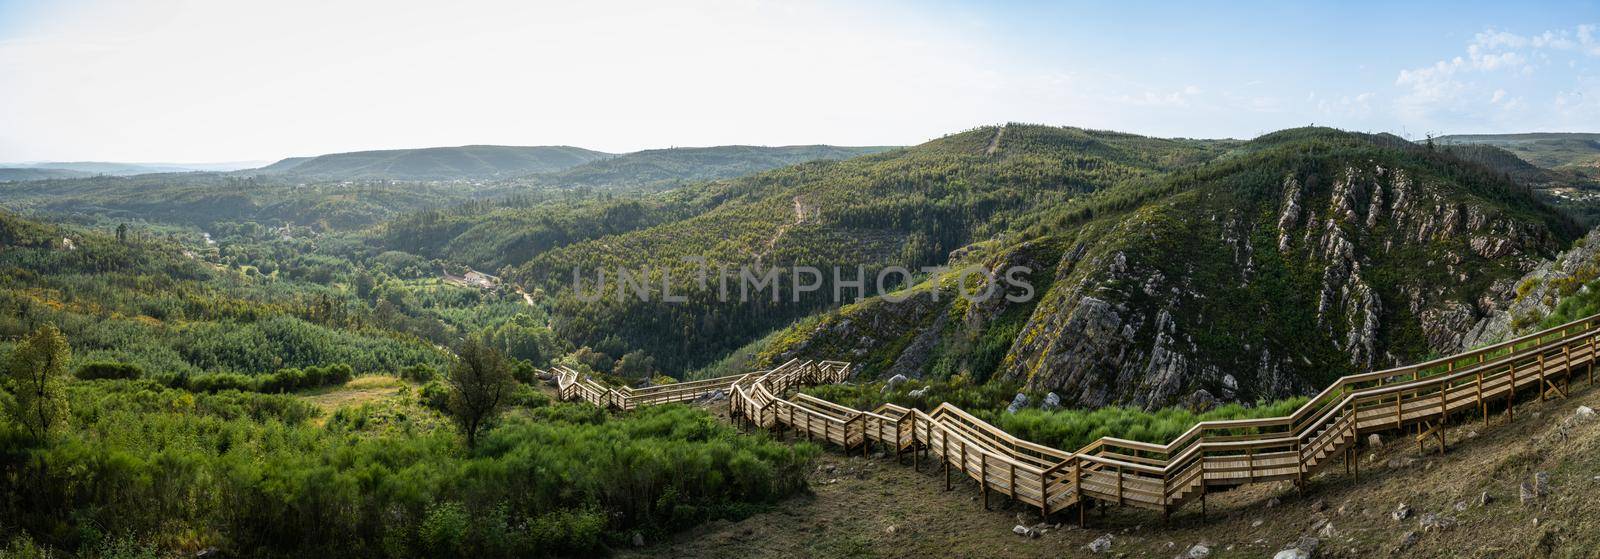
[529, 397]
[108, 370]
[435, 395]
[247, 473]
[444, 530]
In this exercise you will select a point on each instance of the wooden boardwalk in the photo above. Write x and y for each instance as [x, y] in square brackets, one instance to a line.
[1212, 455]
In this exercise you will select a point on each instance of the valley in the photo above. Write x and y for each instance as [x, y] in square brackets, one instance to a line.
[334, 322]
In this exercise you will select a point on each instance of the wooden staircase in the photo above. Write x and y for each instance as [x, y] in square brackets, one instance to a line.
[1211, 456]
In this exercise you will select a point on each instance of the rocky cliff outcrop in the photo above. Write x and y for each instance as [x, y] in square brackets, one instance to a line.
[1515, 307]
[1261, 277]
[1161, 305]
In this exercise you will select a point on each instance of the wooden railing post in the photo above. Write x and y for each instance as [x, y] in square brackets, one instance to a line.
[1511, 393]
[983, 478]
[944, 456]
[1077, 486]
[1483, 408]
[1119, 485]
[1541, 375]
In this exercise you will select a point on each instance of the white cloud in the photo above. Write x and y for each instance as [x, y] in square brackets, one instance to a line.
[1495, 64]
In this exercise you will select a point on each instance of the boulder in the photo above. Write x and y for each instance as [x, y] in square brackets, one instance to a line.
[1541, 484]
[1200, 401]
[1101, 544]
[1303, 548]
[1583, 414]
[1374, 440]
[1328, 531]
[1409, 539]
[1052, 402]
[1196, 551]
[1017, 403]
[1401, 512]
[894, 383]
[1025, 531]
[1435, 522]
[918, 393]
[1526, 494]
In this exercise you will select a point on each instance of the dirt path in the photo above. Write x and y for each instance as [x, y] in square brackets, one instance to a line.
[772, 242]
[994, 145]
[873, 507]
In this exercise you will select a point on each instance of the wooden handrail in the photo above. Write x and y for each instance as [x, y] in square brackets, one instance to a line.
[1145, 474]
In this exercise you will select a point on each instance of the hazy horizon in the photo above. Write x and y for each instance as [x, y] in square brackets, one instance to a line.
[152, 80]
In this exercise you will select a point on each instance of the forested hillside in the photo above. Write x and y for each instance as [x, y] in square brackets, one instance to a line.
[302, 345]
[1294, 258]
[908, 207]
[444, 163]
[11, 174]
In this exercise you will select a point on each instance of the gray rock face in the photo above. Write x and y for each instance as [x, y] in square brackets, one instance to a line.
[1119, 327]
[1533, 297]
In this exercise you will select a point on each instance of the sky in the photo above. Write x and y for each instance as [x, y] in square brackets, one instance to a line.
[199, 81]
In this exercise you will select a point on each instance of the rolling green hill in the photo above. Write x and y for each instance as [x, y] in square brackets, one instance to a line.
[1298, 256]
[1161, 267]
[442, 163]
[666, 168]
[1547, 149]
[9, 174]
[910, 207]
[603, 197]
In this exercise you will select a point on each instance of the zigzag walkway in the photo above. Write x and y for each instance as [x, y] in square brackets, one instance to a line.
[1210, 456]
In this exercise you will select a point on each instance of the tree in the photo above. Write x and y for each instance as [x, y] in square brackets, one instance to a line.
[37, 374]
[635, 364]
[364, 286]
[480, 383]
[122, 233]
